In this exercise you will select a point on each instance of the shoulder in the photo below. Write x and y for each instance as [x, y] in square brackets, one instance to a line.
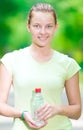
[65, 60]
[67, 63]
[61, 57]
[13, 59]
[16, 53]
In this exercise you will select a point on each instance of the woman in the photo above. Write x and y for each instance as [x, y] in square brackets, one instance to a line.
[40, 66]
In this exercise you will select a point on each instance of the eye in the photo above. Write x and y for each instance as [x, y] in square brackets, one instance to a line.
[49, 26]
[36, 26]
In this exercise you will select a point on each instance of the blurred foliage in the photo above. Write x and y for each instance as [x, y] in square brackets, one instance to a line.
[67, 39]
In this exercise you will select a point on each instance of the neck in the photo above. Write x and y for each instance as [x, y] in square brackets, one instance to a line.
[41, 53]
[44, 51]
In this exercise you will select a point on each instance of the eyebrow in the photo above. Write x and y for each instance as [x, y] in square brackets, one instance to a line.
[40, 23]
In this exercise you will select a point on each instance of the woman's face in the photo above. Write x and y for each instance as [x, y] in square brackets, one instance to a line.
[42, 27]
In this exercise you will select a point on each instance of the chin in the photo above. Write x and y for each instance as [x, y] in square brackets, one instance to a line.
[41, 45]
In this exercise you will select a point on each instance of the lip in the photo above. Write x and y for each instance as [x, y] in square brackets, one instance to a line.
[43, 38]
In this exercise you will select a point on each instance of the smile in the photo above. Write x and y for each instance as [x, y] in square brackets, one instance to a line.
[43, 38]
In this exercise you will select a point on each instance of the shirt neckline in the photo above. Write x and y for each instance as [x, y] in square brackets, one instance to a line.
[41, 62]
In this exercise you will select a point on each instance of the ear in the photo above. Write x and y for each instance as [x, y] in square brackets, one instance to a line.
[56, 27]
[28, 27]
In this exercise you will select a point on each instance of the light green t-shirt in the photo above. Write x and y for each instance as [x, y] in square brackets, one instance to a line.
[50, 76]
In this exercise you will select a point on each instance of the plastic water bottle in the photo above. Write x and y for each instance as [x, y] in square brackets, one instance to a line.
[37, 102]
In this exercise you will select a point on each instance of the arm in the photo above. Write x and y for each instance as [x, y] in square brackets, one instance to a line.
[5, 109]
[5, 84]
[73, 94]
[73, 110]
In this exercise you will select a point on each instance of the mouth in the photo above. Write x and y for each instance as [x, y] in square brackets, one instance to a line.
[43, 38]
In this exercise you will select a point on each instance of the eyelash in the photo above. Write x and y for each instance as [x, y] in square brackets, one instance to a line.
[37, 26]
[49, 26]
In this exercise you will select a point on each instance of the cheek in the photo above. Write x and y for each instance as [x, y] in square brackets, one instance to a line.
[34, 32]
[52, 33]
[34, 35]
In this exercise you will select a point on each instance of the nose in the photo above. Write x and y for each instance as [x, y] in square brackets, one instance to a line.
[43, 30]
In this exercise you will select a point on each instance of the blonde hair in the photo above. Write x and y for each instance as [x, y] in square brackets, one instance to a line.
[42, 7]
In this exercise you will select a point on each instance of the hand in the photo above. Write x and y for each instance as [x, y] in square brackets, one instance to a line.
[29, 120]
[47, 111]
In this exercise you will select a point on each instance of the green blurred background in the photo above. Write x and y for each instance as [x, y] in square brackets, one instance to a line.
[68, 38]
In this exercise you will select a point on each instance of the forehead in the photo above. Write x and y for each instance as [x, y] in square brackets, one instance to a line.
[42, 16]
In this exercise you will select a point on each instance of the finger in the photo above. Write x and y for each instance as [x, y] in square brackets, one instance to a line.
[32, 125]
[30, 121]
[42, 114]
[37, 126]
[45, 123]
[45, 116]
[42, 108]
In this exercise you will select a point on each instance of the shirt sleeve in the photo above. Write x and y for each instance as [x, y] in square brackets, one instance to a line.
[7, 60]
[72, 68]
